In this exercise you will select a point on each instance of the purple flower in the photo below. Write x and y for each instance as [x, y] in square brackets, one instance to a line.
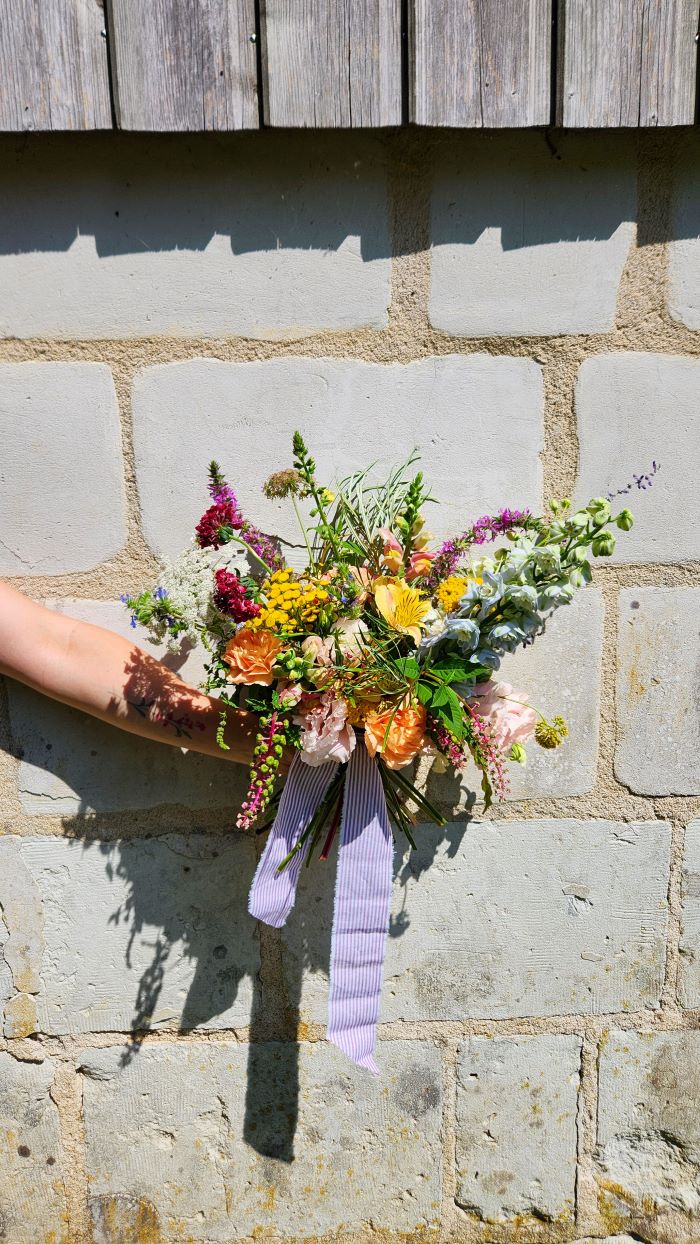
[641, 482]
[261, 544]
[488, 527]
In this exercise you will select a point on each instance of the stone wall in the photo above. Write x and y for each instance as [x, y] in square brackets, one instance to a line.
[526, 309]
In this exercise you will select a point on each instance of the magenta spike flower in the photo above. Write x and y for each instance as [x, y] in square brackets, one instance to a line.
[488, 527]
[261, 544]
[449, 747]
[487, 753]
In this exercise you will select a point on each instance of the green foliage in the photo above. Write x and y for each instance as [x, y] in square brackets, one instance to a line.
[259, 699]
[220, 731]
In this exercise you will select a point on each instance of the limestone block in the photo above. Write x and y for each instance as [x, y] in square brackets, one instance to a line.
[274, 238]
[633, 410]
[457, 411]
[134, 934]
[32, 1204]
[516, 1127]
[658, 711]
[527, 241]
[501, 919]
[314, 1146]
[62, 502]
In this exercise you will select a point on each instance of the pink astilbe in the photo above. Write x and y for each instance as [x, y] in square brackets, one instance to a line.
[487, 753]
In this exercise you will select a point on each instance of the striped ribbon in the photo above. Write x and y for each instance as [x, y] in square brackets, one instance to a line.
[362, 892]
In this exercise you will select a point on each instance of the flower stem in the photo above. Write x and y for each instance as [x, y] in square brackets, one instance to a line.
[303, 531]
[251, 551]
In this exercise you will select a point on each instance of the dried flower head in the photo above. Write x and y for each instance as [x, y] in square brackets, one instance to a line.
[283, 484]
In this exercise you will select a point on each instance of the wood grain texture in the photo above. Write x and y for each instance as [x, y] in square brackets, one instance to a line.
[184, 64]
[331, 63]
[53, 66]
[627, 63]
[480, 63]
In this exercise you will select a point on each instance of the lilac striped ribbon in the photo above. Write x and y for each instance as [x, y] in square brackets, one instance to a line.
[362, 894]
[272, 893]
[361, 913]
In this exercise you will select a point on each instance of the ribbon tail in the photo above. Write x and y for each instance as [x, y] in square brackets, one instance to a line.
[361, 913]
[272, 893]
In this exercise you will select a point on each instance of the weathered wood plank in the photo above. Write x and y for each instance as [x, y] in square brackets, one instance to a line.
[331, 63]
[184, 64]
[627, 63]
[480, 63]
[53, 66]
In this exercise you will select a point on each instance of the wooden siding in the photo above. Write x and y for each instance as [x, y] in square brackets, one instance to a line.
[189, 65]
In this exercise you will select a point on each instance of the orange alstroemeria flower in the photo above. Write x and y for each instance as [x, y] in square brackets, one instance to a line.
[392, 553]
[419, 565]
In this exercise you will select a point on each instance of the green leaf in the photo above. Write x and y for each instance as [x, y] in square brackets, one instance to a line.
[425, 693]
[440, 697]
[451, 716]
[408, 666]
[487, 790]
[258, 700]
[455, 669]
[451, 669]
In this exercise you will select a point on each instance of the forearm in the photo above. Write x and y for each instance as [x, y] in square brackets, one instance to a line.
[103, 674]
[121, 684]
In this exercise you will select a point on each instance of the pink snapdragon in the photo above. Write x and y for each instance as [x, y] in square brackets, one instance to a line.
[392, 553]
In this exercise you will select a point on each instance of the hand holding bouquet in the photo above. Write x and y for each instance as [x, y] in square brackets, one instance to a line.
[381, 649]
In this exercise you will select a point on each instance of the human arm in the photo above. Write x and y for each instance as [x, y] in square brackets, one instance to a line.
[102, 674]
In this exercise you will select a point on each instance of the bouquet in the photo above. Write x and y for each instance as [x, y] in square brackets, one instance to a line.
[380, 650]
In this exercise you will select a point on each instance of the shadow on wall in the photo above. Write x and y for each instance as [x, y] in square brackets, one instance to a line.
[137, 194]
[273, 191]
[179, 921]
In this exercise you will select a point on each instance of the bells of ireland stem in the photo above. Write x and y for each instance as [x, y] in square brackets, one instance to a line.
[603, 545]
[599, 509]
[625, 520]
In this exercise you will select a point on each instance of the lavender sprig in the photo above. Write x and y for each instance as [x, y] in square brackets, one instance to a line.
[642, 482]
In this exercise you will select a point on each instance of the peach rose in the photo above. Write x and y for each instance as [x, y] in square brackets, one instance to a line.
[250, 656]
[405, 739]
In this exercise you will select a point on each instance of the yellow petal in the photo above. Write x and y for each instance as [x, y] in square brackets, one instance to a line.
[385, 600]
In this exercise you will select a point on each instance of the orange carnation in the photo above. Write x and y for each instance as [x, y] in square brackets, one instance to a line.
[405, 738]
[251, 655]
